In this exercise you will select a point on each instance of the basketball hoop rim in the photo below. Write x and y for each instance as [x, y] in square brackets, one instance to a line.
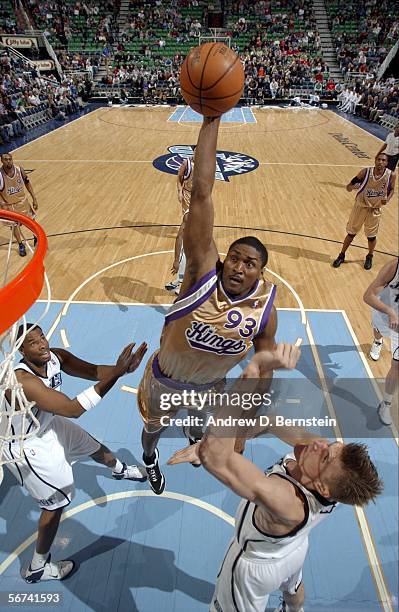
[20, 293]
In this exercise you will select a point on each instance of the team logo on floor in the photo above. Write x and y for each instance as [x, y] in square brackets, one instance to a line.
[228, 163]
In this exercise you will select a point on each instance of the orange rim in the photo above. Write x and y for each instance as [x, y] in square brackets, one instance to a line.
[20, 293]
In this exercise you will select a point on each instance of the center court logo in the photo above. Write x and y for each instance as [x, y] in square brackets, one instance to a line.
[228, 163]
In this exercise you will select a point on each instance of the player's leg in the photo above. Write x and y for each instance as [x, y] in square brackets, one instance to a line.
[292, 587]
[391, 385]
[41, 567]
[356, 220]
[47, 476]
[149, 402]
[18, 238]
[120, 470]
[371, 225]
[241, 584]
[368, 262]
[341, 257]
[292, 602]
[149, 441]
[376, 347]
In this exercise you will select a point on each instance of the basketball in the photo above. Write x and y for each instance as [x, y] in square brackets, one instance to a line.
[212, 79]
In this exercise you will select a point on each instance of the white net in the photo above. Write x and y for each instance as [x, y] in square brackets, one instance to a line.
[17, 419]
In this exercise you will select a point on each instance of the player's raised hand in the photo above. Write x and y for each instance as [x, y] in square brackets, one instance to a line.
[137, 357]
[284, 357]
[128, 361]
[186, 455]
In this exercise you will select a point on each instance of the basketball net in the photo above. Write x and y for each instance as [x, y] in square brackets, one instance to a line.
[18, 423]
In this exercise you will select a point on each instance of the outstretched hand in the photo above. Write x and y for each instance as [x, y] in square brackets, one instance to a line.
[186, 455]
[129, 361]
[284, 356]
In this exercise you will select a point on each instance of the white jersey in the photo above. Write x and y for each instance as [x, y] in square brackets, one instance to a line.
[257, 545]
[52, 380]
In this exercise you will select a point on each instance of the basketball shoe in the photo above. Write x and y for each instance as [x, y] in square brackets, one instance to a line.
[131, 472]
[49, 571]
[375, 350]
[155, 477]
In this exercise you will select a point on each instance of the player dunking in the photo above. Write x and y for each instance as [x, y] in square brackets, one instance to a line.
[184, 186]
[375, 188]
[13, 181]
[222, 310]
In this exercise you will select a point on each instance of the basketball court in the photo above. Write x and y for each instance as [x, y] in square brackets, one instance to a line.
[106, 188]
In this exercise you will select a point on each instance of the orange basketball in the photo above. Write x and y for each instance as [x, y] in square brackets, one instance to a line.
[212, 79]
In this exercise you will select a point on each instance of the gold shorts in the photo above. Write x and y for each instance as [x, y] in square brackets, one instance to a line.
[364, 216]
[154, 391]
[23, 208]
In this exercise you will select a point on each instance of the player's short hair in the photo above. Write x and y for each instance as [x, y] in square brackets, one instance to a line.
[358, 481]
[256, 244]
[382, 153]
[29, 327]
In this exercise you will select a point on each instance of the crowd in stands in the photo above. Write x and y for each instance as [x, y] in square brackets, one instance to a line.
[23, 91]
[371, 100]
[280, 46]
[90, 23]
[277, 40]
[363, 33]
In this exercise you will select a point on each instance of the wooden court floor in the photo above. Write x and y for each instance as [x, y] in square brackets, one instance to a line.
[102, 201]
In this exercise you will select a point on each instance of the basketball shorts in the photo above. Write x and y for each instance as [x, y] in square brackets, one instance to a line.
[364, 216]
[244, 584]
[155, 389]
[23, 208]
[46, 467]
[381, 323]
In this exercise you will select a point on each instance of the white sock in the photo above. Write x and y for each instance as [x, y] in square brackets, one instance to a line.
[38, 560]
[387, 398]
[118, 467]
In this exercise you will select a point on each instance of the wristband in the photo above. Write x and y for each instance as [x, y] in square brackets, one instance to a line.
[89, 398]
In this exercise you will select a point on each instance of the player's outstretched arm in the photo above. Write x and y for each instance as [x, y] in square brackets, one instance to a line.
[199, 247]
[74, 366]
[50, 400]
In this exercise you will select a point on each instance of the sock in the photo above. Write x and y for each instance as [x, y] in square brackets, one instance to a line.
[38, 560]
[149, 460]
[387, 398]
[118, 467]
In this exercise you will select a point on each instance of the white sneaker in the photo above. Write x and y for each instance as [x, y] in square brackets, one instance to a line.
[50, 571]
[131, 472]
[375, 350]
[384, 413]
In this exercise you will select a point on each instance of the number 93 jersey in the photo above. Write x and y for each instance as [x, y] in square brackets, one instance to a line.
[207, 332]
